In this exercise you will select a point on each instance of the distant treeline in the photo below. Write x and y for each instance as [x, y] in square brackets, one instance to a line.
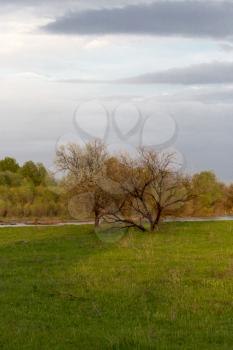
[28, 191]
[31, 191]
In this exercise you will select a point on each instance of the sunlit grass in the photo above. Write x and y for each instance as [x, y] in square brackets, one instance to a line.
[64, 288]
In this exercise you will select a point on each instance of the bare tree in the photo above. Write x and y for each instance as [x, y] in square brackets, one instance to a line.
[85, 166]
[142, 188]
[151, 185]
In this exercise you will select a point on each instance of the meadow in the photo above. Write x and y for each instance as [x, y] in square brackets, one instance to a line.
[64, 288]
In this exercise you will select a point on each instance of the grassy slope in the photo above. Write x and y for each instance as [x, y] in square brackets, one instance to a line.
[62, 288]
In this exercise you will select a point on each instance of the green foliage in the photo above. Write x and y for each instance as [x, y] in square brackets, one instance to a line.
[36, 173]
[29, 201]
[228, 199]
[28, 191]
[9, 164]
[9, 178]
[208, 192]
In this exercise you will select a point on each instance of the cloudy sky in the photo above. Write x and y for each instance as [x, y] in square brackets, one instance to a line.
[152, 72]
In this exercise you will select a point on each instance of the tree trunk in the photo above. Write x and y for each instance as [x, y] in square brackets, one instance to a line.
[97, 221]
[158, 216]
[152, 226]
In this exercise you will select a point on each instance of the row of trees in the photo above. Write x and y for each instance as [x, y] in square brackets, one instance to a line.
[133, 191]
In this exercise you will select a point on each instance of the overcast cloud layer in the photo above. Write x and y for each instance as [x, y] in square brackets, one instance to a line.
[208, 73]
[183, 18]
[178, 54]
[199, 74]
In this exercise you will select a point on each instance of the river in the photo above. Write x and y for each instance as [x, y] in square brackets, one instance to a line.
[196, 219]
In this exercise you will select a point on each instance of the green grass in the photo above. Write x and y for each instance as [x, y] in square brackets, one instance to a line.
[63, 288]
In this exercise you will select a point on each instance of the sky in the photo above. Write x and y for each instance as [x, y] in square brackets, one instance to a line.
[132, 72]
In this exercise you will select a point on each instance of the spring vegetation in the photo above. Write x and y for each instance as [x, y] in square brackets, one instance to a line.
[63, 288]
[77, 287]
[133, 191]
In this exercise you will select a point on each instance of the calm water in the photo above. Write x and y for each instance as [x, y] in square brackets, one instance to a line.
[199, 219]
[44, 225]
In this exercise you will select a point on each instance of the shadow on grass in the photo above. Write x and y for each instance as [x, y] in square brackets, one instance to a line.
[65, 289]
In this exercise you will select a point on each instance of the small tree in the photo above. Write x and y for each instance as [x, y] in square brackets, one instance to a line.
[149, 187]
[85, 167]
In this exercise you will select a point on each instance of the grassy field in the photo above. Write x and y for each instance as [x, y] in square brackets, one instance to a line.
[63, 288]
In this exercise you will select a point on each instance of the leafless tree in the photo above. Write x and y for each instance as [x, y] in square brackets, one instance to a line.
[151, 185]
[145, 187]
[84, 166]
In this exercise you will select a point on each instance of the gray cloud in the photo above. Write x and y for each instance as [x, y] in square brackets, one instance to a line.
[92, 3]
[208, 95]
[168, 18]
[68, 5]
[199, 74]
